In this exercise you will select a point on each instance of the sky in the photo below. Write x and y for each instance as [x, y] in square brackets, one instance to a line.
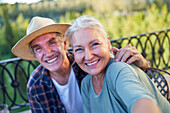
[19, 1]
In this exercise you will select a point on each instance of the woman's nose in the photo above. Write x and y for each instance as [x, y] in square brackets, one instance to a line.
[88, 54]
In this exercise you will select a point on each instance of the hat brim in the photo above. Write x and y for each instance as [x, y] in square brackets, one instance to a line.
[21, 48]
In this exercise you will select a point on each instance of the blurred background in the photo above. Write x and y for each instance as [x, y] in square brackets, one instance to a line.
[121, 18]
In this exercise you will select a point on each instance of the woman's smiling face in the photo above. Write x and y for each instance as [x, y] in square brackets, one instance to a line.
[91, 50]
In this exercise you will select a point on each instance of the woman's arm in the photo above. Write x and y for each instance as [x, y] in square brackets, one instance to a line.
[133, 88]
[145, 105]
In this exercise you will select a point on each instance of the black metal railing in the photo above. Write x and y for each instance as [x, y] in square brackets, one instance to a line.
[14, 73]
[154, 46]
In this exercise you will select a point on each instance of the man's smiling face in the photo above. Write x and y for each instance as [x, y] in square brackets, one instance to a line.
[49, 51]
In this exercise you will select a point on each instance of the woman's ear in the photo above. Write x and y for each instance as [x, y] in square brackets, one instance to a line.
[110, 48]
[109, 43]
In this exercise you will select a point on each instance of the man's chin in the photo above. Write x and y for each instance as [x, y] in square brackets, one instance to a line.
[52, 69]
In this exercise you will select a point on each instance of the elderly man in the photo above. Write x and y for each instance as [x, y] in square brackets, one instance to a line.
[54, 85]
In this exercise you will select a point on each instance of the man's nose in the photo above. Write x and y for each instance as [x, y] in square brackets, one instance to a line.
[47, 51]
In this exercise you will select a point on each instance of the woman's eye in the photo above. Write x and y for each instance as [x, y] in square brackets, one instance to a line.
[95, 44]
[78, 50]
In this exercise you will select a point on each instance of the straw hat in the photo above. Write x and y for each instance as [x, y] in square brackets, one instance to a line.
[38, 26]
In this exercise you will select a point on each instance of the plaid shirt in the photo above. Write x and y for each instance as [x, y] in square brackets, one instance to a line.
[42, 94]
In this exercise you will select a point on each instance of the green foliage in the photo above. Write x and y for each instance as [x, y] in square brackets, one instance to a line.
[8, 32]
[19, 27]
[122, 24]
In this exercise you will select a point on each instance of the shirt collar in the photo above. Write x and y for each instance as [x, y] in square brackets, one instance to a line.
[45, 75]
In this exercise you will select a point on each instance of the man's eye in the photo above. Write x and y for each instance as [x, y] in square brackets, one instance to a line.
[37, 49]
[52, 43]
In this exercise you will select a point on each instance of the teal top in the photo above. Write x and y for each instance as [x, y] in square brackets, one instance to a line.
[123, 85]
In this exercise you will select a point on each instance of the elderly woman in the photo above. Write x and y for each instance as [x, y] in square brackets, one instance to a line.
[110, 87]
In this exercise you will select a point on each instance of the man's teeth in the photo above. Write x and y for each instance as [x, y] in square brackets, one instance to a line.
[52, 60]
[89, 64]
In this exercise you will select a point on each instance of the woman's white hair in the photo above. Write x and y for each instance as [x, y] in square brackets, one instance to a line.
[84, 22]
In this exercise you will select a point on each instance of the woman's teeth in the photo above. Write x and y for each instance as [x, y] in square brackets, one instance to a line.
[89, 64]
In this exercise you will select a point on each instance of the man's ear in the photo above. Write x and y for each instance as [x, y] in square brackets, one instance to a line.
[36, 59]
[66, 44]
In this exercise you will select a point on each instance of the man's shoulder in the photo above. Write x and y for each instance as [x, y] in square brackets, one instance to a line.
[35, 76]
